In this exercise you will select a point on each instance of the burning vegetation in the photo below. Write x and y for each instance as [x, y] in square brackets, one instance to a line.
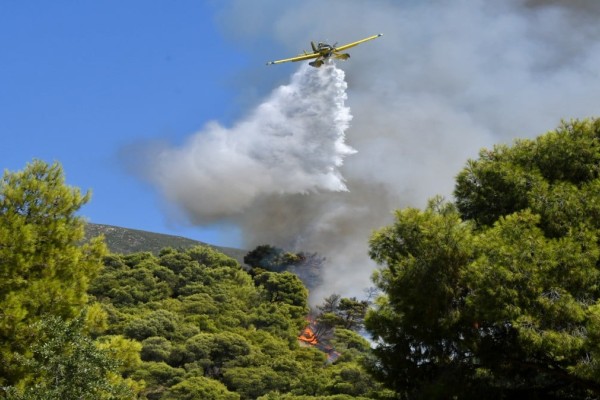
[309, 337]
[335, 312]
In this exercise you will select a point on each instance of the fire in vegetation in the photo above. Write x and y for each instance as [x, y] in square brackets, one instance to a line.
[310, 337]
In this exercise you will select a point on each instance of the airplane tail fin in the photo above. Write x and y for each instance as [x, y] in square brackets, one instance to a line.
[314, 47]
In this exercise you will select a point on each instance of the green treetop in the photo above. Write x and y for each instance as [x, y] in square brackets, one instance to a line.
[499, 295]
[44, 267]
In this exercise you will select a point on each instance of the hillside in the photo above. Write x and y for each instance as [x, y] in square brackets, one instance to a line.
[126, 241]
[195, 325]
[179, 323]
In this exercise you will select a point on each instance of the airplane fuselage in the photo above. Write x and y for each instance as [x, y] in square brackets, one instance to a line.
[324, 49]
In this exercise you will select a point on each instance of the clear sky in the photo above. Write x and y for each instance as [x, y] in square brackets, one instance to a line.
[82, 81]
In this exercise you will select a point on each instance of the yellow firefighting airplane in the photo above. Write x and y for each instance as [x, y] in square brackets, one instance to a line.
[322, 51]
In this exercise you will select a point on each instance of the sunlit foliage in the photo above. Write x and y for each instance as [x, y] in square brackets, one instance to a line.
[207, 328]
[497, 295]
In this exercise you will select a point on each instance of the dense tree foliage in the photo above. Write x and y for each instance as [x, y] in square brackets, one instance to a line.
[67, 364]
[271, 258]
[337, 312]
[209, 329]
[307, 266]
[193, 324]
[498, 296]
[346, 312]
[44, 266]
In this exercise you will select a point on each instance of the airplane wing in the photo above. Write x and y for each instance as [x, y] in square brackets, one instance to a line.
[347, 46]
[297, 58]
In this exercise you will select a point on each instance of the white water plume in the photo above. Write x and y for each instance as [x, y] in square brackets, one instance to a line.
[292, 143]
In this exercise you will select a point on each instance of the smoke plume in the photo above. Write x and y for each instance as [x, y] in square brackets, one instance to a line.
[292, 143]
[446, 79]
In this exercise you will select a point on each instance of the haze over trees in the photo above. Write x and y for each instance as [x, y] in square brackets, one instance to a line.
[307, 266]
[76, 322]
[494, 295]
[497, 295]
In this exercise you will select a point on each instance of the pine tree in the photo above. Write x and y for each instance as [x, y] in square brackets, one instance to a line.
[45, 266]
[498, 295]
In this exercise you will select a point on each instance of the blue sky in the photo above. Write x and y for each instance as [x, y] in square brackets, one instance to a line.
[83, 80]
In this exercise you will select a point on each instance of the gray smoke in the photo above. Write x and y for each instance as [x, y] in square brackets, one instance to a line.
[446, 79]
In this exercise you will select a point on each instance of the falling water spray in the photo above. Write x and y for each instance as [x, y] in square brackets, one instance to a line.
[292, 143]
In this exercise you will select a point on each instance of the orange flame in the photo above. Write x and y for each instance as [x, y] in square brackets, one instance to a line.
[308, 336]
